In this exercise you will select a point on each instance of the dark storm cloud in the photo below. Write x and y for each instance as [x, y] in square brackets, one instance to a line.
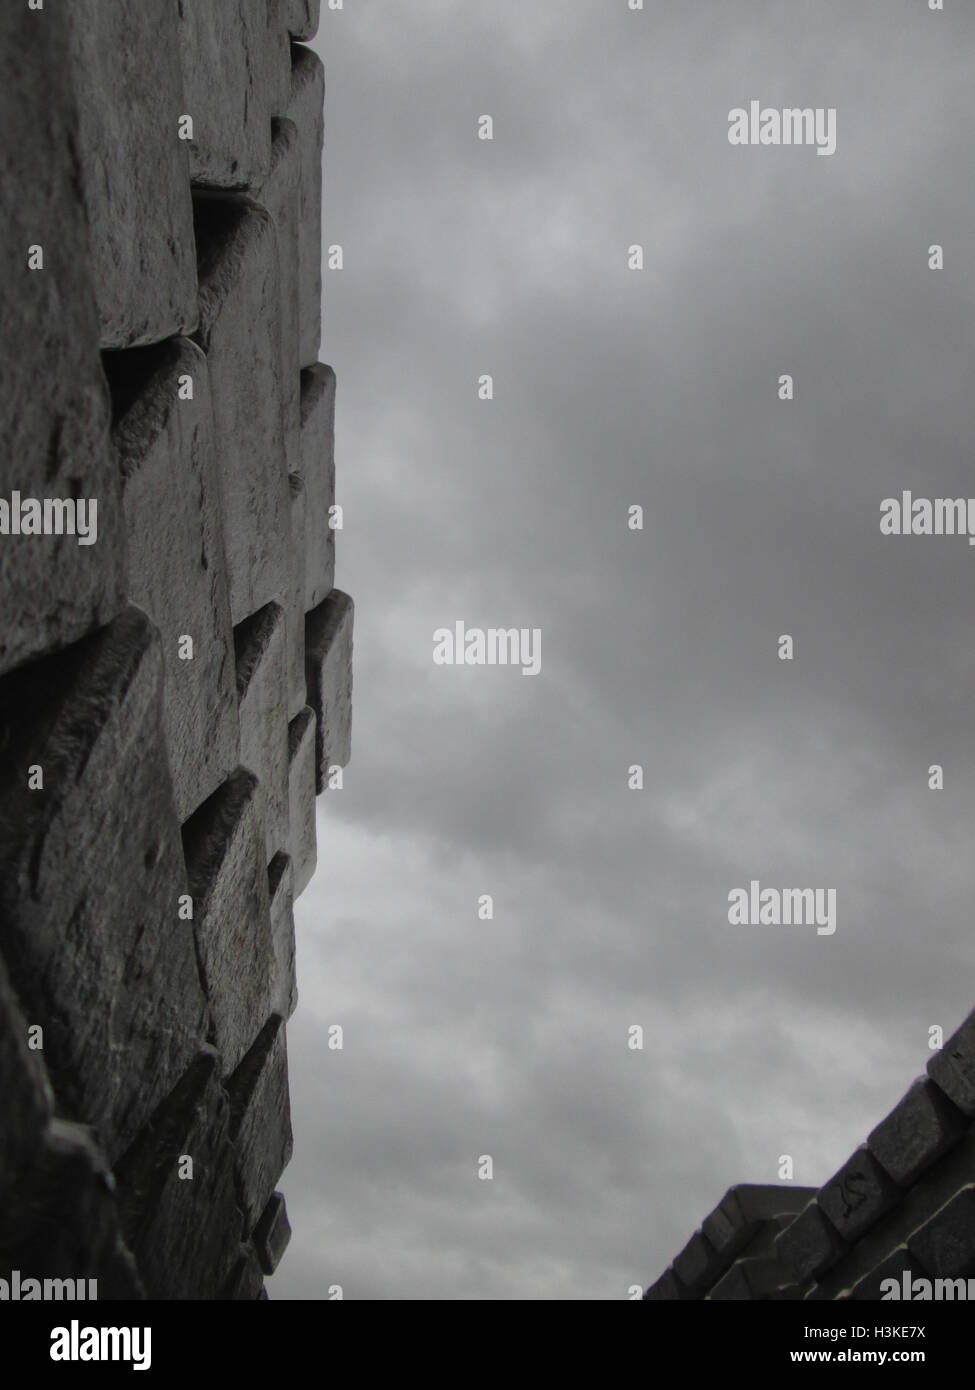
[509, 1037]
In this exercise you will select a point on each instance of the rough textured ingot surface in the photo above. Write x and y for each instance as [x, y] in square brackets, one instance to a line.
[297, 694]
[306, 109]
[301, 786]
[952, 1067]
[318, 475]
[54, 410]
[63, 1222]
[279, 195]
[261, 1119]
[281, 892]
[182, 1222]
[240, 333]
[328, 669]
[225, 861]
[177, 569]
[277, 49]
[89, 902]
[28, 1101]
[227, 88]
[246, 1281]
[916, 1133]
[135, 168]
[301, 17]
[273, 1233]
[260, 643]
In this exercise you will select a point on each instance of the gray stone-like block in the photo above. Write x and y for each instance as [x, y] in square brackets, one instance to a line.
[727, 1234]
[279, 195]
[63, 1222]
[277, 50]
[809, 1245]
[952, 1069]
[945, 1245]
[27, 1098]
[240, 334]
[914, 1209]
[281, 893]
[301, 17]
[177, 569]
[260, 643]
[297, 693]
[769, 1201]
[93, 870]
[225, 861]
[750, 1280]
[857, 1195]
[307, 110]
[698, 1265]
[273, 1233]
[897, 1263]
[54, 411]
[747, 1209]
[666, 1289]
[185, 1231]
[301, 781]
[922, 1127]
[134, 167]
[246, 1282]
[227, 88]
[328, 669]
[261, 1119]
[318, 473]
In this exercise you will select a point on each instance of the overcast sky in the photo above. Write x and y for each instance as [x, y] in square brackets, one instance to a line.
[612, 388]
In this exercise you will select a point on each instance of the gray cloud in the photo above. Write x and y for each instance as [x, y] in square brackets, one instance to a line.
[509, 1037]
